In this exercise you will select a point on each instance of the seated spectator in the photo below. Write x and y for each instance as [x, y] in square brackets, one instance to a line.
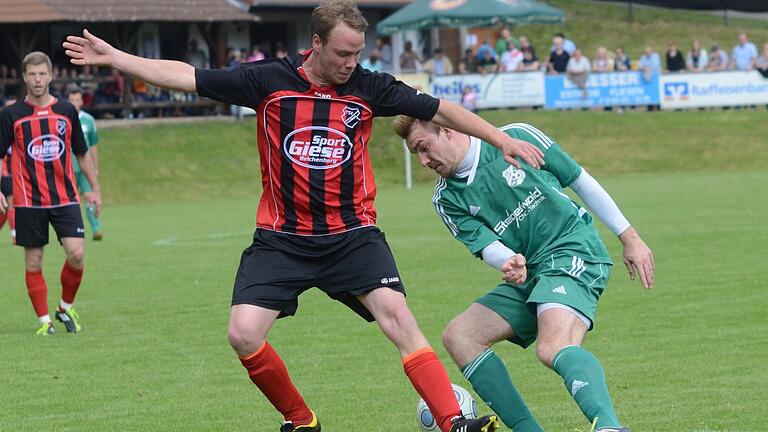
[621, 62]
[603, 62]
[697, 59]
[511, 60]
[568, 44]
[504, 42]
[439, 64]
[558, 58]
[256, 54]
[675, 60]
[487, 64]
[373, 62]
[468, 63]
[196, 56]
[469, 99]
[649, 63]
[409, 60]
[578, 71]
[744, 54]
[762, 62]
[530, 62]
[718, 59]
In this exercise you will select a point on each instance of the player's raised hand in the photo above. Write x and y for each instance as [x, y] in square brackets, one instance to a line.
[514, 270]
[88, 50]
[638, 257]
[526, 151]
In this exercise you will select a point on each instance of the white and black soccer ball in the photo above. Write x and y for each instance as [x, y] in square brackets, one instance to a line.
[467, 404]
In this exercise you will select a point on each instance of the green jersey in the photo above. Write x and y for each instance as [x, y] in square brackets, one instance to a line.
[525, 209]
[88, 125]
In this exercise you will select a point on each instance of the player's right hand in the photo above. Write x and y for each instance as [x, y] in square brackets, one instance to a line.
[3, 204]
[526, 151]
[88, 50]
[93, 200]
[513, 270]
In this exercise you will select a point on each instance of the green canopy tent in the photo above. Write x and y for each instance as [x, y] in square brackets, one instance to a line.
[468, 13]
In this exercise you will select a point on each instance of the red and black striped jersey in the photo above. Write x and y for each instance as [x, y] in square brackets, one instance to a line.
[42, 140]
[313, 141]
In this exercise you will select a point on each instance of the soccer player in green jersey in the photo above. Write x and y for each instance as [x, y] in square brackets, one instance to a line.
[554, 264]
[88, 124]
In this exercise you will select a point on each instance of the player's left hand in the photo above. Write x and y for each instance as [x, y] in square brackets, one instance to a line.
[514, 270]
[638, 257]
[526, 151]
[3, 204]
[93, 200]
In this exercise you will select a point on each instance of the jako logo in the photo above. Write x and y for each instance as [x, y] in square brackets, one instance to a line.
[676, 90]
[46, 148]
[317, 147]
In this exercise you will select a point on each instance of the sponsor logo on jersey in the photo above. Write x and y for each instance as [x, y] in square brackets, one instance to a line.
[386, 281]
[46, 148]
[61, 127]
[317, 147]
[523, 209]
[351, 116]
[513, 176]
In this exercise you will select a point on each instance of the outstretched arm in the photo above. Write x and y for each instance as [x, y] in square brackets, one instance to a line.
[637, 255]
[454, 116]
[169, 74]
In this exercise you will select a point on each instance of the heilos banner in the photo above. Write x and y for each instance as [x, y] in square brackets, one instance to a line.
[731, 88]
[603, 89]
[513, 89]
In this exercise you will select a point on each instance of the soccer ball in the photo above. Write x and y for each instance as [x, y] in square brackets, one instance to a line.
[467, 404]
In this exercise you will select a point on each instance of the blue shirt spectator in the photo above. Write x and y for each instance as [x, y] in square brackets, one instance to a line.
[568, 45]
[744, 54]
[649, 64]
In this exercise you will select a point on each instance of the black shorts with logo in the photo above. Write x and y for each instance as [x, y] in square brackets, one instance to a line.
[6, 186]
[278, 267]
[32, 224]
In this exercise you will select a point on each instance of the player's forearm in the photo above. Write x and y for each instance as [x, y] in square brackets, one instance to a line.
[169, 74]
[454, 116]
[86, 165]
[600, 202]
[496, 254]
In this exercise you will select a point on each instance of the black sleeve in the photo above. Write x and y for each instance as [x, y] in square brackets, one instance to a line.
[6, 132]
[238, 86]
[392, 97]
[79, 146]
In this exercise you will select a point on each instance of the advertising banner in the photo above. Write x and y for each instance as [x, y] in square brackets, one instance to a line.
[602, 89]
[503, 90]
[731, 88]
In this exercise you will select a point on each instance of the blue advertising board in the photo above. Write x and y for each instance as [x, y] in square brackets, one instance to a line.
[603, 89]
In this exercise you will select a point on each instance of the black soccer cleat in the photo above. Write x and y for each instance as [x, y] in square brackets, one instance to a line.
[70, 319]
[313, 426]
[487, 423]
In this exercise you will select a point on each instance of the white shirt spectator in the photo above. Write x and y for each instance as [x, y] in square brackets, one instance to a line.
[511, 59]
[577, 66]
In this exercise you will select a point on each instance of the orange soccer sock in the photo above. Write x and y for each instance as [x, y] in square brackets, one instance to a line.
[38, 292]
[267, 370]
[70, 282]
[431, 381]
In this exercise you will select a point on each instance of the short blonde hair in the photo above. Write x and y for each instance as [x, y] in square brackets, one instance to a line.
[330, 12]
[403, 125]
[36, 58]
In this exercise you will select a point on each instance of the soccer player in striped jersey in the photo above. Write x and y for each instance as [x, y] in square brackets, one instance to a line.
[553, 262]
[44, 132]
[316, 218]
[6, 189]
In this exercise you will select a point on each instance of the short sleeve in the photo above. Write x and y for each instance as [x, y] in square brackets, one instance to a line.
[239, 86]
[556, 160]
[470, 231]
[93, 133]
[392, 97]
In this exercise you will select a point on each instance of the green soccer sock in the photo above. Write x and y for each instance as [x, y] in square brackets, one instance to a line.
[584, 379]
[492, 382]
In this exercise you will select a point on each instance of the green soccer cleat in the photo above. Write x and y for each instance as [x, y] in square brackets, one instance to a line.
[487, 423]
[70, 319]
[313, 426]
[46, 330]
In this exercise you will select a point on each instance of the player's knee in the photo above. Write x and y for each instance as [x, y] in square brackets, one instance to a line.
[75, 257]
[454, 336]
[546, 351]
[242, 340]
[33, 262]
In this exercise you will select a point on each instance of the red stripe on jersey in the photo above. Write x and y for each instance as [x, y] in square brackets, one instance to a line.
[366, 194]
[302, 120]
[58, 168]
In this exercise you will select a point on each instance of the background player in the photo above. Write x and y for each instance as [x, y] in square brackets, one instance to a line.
[44, 132]
[91, 134]
[554, 263]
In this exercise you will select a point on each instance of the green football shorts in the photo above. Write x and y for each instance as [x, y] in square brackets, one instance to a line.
[565, 280]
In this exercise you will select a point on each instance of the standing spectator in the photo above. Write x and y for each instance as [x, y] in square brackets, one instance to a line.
[697, 59]
[373, 62]
[568, 44]
[762, 62]
[621, 63]
[675, 60]
[718, 59]
[558, 58]
[256, 54]
[505, 42]
[649, 63]
[439, 64]
[409, 60]
[91, 134]
[530, 62]
[385, 52]
[603, 62]
[744, 54]
[469, 98]
[511, 60]
[196, 56]
[468, 63]
[526, 46]
[578, 71]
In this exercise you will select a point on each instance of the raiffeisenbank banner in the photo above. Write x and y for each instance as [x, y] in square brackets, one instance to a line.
[733, 88]
[502, 90]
